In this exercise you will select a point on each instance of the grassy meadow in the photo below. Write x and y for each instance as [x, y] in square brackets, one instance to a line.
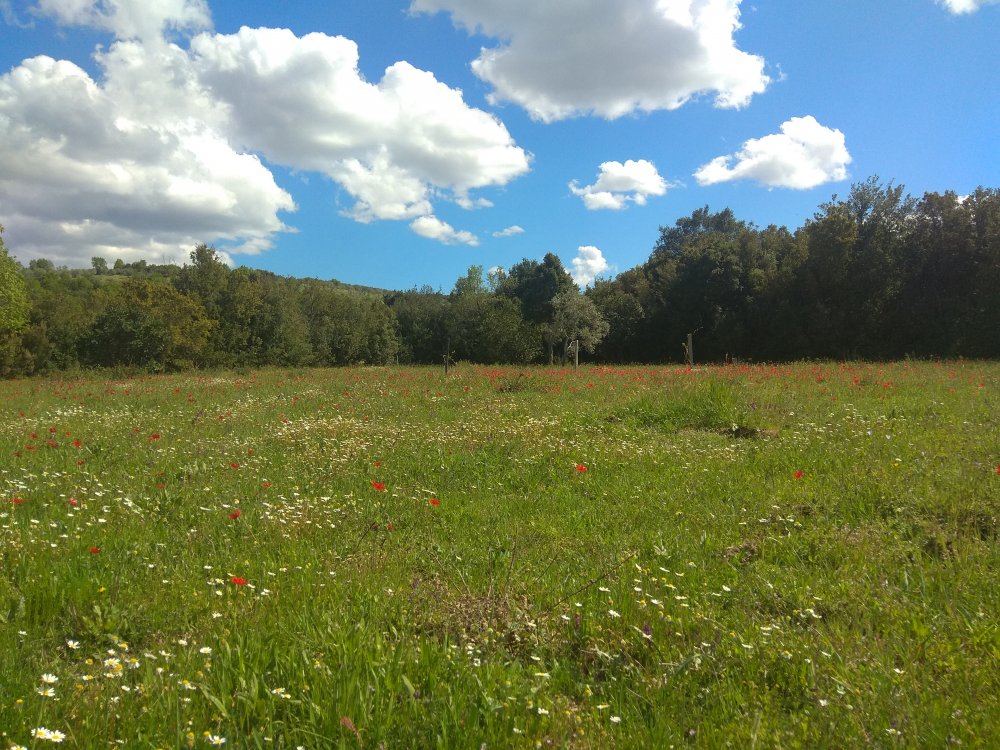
[787, 556]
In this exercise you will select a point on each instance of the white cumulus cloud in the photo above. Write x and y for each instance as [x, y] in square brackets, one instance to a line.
[959, 7]
[433, 228]
[618, 184]
[561, 58]
[509, 231]
[588, 264]
[130, 19]
[160, 152]
[803, 155]
[302, 102]
[86, 172]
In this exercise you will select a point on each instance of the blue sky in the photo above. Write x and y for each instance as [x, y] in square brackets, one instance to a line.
[394, 143]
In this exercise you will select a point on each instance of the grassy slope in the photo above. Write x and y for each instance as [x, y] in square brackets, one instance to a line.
[688, 587]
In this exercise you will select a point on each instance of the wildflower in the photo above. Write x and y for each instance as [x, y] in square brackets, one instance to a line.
[616, 719]
[46, 692]
[378, 486]
[239, 581]
[52, 735]
[155, 436]
[73, 501]
[95, 550]
[613, 613]
[49, 679]
[235, 514]
[205, 650]
[435, 502]
[17, 500]
[214, 739]
[280, 692]
[234, 465]
[73, 644]
[798, 474]
[581, 468]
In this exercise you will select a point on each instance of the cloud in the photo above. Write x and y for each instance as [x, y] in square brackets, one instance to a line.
[160, 152]
[562, 58]
[393, 146]
[130, 19]
[433, 228]
[959, 7]
[618, 184]
[803, 155]
[87, 171]
[588, 264]
[509, 231]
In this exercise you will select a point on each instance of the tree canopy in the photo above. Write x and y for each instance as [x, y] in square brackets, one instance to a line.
[877, 274]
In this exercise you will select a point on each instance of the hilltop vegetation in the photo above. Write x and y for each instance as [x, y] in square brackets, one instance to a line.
[877, 275]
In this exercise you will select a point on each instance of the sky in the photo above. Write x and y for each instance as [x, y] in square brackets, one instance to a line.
[395, 143]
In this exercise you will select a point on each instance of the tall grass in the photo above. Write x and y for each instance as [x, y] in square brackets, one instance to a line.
[797, 556]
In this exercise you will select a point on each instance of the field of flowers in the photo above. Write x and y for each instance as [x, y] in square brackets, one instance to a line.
[788, 556]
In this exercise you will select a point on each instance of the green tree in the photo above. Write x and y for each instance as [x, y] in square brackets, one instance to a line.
[422, 319]
[13, 295]
[576, 318]
[624, 314]
[535, 285]
[152, 326]
[347, 327]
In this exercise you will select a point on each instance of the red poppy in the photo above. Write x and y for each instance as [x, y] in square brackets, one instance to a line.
[998, 468]
[265, 485]
[379, 487]
[95, 550]
[73, 501]
[234, 465]
[237, 581]
[17, 500]
[155, 436]
[77, 444]
[376, 464]
[435, 502]
[581, 468]
[235, 514]
[798, 474]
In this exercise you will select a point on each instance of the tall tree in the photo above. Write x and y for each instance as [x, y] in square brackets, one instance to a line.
[576, 318]
[535, 285]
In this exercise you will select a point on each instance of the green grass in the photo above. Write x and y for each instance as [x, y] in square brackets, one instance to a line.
[793, 556]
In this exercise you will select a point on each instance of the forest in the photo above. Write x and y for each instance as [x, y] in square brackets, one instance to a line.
[876, 275]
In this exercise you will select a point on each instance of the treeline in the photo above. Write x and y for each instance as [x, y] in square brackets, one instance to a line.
[876, 275]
